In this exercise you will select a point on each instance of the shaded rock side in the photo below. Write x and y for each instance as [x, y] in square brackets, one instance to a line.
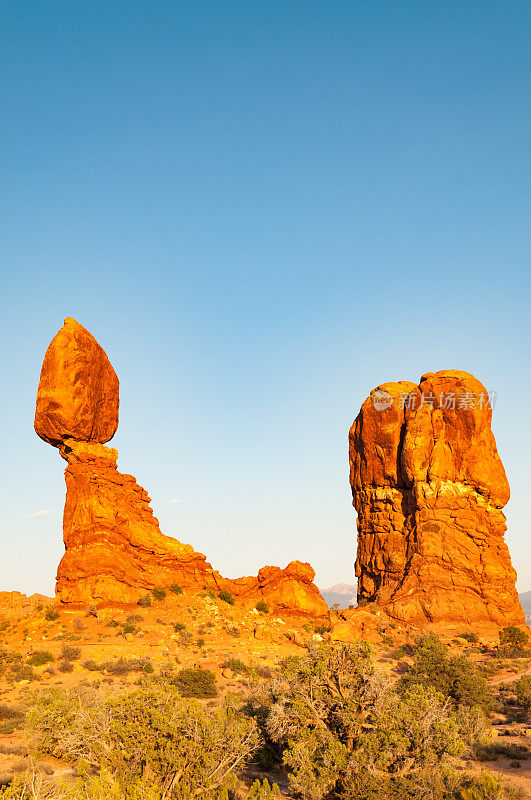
[429, 488]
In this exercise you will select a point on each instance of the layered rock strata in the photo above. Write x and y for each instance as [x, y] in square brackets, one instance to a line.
[114, 549]
[429, 488]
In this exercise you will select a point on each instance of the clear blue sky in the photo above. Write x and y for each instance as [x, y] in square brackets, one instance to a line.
[261, 210]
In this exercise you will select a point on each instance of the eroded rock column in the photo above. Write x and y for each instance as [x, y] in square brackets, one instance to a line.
[429, 488]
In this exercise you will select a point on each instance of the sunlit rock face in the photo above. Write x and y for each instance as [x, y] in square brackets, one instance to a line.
[78, 393]
[114, 548]
[429, 488]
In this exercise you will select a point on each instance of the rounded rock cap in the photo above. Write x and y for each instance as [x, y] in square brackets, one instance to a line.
[78, 394]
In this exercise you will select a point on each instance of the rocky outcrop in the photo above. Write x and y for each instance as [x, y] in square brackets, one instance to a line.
[114, 549]
[17, 601]
[429, 488]
[285, 591]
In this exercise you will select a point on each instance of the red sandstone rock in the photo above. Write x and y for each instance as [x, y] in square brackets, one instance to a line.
[78, 389]
[428, 485]
[13, 600]
[16, 601]
[289, 591]
[114, 549]
[356, 626]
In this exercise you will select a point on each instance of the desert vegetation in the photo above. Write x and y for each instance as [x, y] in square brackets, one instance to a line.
[327, 724]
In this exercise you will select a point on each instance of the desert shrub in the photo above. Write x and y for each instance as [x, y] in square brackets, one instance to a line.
[513, 642]
[11, 719]
[263, 791]
[262, 607]
[128, 628]
[159, 593]
[236, 665]
[178, 627]
[25, 673]
[132, 619]
[144, 602]
[8, 726]
[91, 665]
[32, 784]
[151, 734]
[123, 666]
[399, 652]
[321, 629]
[487, 787]
[522, 689]
[234, 631]
[456, 678]
[226, 596]
[514, 751]
[10, 712]
[55, 719]
[66, 666]
[79, 625]
[470, 636]
[196, 682]
[51, 614]
[185, 639]
[175, 588]
[345, 731]
[200, 642]
[200, 750]
[263, 672]
[10, 661]
[489, 751]
[69, 653]
[39, 658]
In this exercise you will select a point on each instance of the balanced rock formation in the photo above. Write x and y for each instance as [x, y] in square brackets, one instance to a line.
[429, 488]
[114, 549]
[78, 390]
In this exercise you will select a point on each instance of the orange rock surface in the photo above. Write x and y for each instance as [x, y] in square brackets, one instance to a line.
[429, 488]
[114, 549]
[78, 389]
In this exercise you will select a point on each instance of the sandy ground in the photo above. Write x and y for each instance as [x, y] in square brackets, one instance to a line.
[212, 633]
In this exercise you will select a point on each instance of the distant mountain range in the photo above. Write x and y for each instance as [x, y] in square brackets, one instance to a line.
[344, 595]
[525, 600]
